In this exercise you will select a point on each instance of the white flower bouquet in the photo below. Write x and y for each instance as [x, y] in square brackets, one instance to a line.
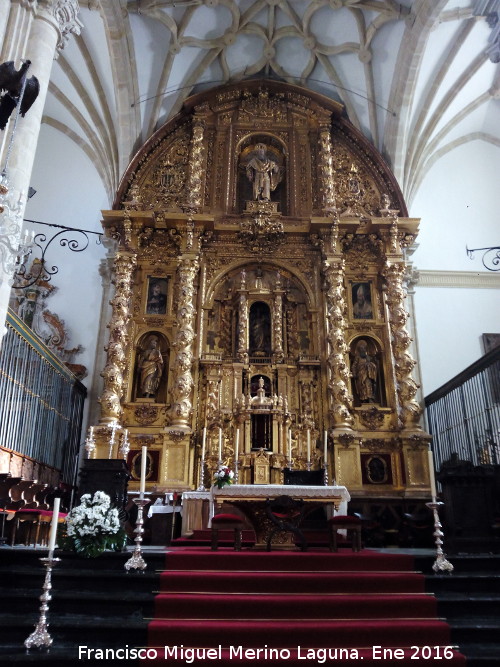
[94, 526]
[223, 475]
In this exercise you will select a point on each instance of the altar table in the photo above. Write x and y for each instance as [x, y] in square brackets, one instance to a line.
[251, 500]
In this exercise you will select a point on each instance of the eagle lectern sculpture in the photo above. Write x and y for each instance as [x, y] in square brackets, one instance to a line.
[12, 82]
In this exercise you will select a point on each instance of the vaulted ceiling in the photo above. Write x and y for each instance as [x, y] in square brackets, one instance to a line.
[414, 76]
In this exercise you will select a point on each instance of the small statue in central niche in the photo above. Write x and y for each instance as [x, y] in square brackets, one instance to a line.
[150, 368]
[263, 172]
[364, 372]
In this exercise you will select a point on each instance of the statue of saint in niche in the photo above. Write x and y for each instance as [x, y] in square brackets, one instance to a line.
[263, 172]
[364, 372]
[260, 329]
[150, 368]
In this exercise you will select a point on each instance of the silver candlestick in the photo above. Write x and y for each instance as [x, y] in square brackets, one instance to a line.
[440, 564]
[136, 561]
[90, 444]
[201, 485]
[40, 636]
[114, 427]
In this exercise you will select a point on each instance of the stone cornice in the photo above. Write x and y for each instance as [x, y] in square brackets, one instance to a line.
[462, 279]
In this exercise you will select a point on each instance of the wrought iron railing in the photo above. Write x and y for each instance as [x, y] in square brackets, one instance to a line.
[464, 414]
[41, 401]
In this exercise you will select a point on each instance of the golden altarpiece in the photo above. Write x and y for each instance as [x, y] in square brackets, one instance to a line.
[259, 272]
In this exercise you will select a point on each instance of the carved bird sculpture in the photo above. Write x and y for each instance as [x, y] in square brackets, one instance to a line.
[11, 86]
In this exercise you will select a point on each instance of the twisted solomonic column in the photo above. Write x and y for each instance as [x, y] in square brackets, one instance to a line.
[278, 327]
[338, 367]
[119, 324]
[326, 171]
[194, 196]
[243, 328]
[182, 386]
[409, 409]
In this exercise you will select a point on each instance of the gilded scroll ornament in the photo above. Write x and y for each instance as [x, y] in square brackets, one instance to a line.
[361, 250]
[356, 192]
[262, 233]
[162, 178]
[146, 414]
[263, 106]
[372, 418]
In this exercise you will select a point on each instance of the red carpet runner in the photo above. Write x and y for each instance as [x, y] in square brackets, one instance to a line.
[293, 608]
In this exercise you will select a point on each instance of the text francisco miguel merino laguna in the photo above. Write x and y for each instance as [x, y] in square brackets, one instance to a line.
[177, 654]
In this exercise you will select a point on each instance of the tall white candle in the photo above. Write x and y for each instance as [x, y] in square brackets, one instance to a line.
[237, 444]
[325, 448]
[220, 444]
[290, 444]
[308, 445]
[144, 461]
[53, 524]
[203, 443]
[431, 475]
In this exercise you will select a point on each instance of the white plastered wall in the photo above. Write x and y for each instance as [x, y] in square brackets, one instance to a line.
[457, 299]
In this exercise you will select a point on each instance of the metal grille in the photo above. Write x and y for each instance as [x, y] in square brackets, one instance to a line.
[41, 402]
[464, 415]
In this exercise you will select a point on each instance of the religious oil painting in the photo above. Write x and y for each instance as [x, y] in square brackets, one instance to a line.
[156, 303]
[362, 308]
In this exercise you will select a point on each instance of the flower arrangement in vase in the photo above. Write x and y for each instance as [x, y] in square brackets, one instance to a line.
[223, 476]
[93, 526]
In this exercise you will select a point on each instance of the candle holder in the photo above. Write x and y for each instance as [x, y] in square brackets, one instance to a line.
[40, 636]
[114, 426]
[124, 445]
[136, 561]
[440, 564]
[308, 466]
[201, 485]
[90, 444]
[325, 475]
[236, 472]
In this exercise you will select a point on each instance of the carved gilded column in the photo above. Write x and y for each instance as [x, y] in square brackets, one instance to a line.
[243, 322]
[326, 171]
[194, 196]
[182, 385]
[119, 326]
[409, 409]
[334, 271]
[278, 326]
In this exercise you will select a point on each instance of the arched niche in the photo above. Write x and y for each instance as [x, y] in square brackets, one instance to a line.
[367, 373]
[260, 328]
[258, 382]
[151, 368]
[261, 284]
[272, 160]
